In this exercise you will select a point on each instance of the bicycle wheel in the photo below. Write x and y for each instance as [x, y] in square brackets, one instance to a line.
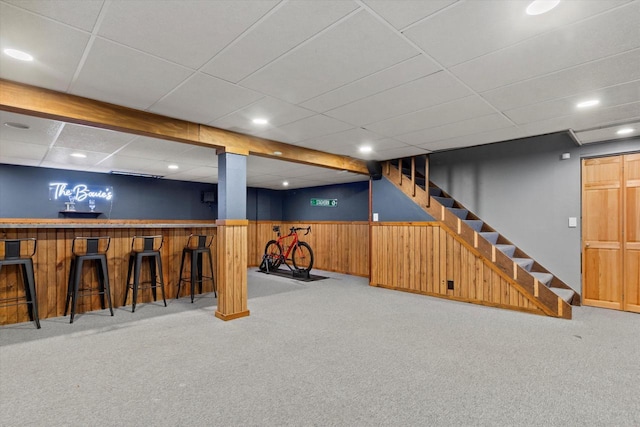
[302, 257]
[273, 256]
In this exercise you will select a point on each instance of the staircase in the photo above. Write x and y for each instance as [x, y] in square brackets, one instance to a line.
[550, 294]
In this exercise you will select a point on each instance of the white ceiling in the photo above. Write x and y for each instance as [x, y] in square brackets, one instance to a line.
[405, 77]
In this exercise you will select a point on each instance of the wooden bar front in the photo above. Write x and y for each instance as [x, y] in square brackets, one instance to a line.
[53, 256]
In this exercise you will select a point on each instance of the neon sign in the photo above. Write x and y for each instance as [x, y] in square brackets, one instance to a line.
[78, 193]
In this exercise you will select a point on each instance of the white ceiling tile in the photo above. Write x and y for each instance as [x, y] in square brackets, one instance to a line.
[396, 153]
[608, 133]
[587, 119]
[203, 98]
[495, 135]
[186, 33]
[202, 156]
[195, 174]
[608, 97]
[71, 166]
[63, 155]
[87, 138]
[119, 162]
[287, 26]
[56, 48]
[25, 151]
[471, 29]
[352, 138]
[277, 112]
[307, 128]
[116, 74]
[397, 74]
[40, 132]
[19, 161]
[152, 148]
[449, 112]
[451, 130]
[598, 74]
[401, 13]
[566, 47]
[78, 13]
[350, 50]
[422, 93]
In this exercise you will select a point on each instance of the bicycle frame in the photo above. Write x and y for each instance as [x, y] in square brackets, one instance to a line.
[287, 248]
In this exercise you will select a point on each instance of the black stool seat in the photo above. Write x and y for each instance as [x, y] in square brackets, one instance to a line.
[197, 246]
[20, 252]
[92, 249]
[145, 247]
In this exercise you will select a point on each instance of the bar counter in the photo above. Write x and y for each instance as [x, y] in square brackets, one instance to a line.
[53, 256]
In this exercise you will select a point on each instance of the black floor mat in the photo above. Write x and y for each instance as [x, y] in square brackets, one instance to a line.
[289, 274]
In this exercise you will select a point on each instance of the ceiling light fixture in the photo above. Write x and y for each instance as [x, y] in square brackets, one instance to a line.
[285, 183]
[277, 153]
[260, 121]
[18, 54]
[366, 149]
[173, 166]
[538, 7]
[15, 125]
[589, 103]
[79, 155]
[625, 131]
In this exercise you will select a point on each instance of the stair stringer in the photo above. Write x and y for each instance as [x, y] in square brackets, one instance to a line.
[539, 294]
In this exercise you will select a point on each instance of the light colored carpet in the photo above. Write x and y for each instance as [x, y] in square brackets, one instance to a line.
[332, 352]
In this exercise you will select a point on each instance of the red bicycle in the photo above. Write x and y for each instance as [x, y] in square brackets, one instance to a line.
[300, 252]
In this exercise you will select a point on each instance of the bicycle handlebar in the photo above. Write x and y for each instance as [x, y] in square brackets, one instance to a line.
[294, 229]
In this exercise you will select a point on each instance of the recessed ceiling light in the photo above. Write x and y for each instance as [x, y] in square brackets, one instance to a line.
[15, 125]
[285, 183]
[538, 7]
[18, 54]
[173, 166]
[625, 131]
[79, 155]
[260, 121]
[589, 103]
[366, 149]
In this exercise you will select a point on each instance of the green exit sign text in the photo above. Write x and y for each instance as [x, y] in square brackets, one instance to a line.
[326, 203]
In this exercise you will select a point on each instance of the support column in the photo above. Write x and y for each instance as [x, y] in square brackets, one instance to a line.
[232, 236]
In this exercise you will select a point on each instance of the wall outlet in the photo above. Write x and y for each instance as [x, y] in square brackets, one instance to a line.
[375, 217]
[450, 285]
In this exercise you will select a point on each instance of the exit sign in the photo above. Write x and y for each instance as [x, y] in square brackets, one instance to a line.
[326, 203]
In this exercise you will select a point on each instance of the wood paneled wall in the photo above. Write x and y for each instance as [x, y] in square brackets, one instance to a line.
[423, 258]
[342, 247]
[52, 260]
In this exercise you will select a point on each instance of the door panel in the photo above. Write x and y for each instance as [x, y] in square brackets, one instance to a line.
[632, 233]
[602, 232]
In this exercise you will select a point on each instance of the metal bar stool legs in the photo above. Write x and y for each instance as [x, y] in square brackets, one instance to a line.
[20, 252]
[197, 246]
[92, 249]
[145, 248]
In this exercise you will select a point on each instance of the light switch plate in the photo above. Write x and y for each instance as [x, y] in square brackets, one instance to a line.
[573, 222]
[375, 217]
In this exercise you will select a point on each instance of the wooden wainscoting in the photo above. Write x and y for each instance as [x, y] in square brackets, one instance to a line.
[342, 247]
[424, 258]
[52, 260]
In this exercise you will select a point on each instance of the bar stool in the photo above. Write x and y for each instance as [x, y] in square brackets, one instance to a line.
[20, 252]
[197, 245]
[145, 247]
[91, 249]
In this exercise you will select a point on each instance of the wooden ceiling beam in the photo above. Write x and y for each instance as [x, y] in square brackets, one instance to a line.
[34, 101]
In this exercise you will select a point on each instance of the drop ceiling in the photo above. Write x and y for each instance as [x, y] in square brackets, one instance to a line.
[404, 77]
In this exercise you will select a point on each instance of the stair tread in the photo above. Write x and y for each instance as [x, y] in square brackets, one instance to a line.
[444, 201]
[507, 249]
[460, 213]
[435, 191]
[542, 277]
[476, 224]
[490, 236]
[525, 263]
[565, 294]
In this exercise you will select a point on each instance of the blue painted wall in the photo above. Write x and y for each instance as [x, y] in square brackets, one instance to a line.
[392, 204]
[353, 203]
[263, 204]
[24, 193]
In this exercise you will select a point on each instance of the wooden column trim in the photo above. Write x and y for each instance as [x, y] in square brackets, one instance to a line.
[232, 250]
